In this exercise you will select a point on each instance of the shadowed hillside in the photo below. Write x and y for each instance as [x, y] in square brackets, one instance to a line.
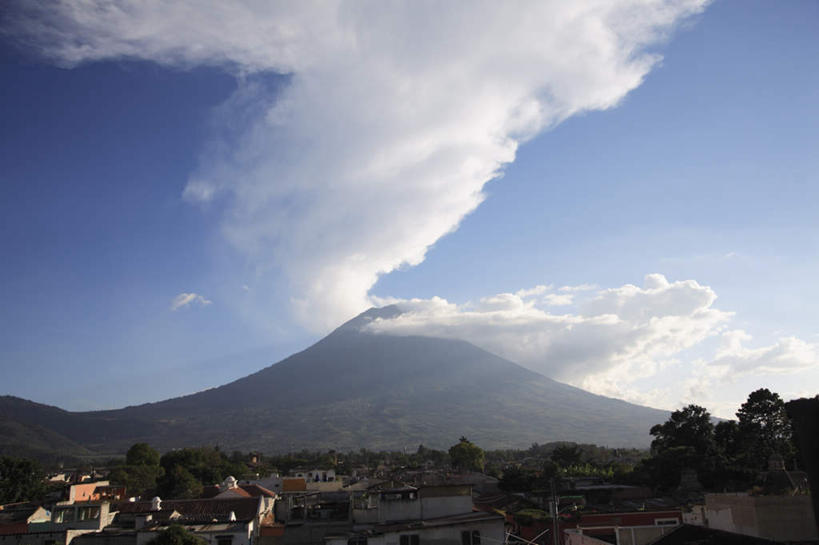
[354, 389]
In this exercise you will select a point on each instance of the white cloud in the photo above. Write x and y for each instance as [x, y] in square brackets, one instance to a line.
[558, 299]
[581, 287]
[614, 340]
[185, 299]
[537, 290]
[394, 116]
[787, 355]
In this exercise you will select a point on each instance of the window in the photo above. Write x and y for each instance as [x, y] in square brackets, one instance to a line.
[64, 515]
[224, 540]
[410, 539]
[357, 540]
[471, 538]
[89, 513]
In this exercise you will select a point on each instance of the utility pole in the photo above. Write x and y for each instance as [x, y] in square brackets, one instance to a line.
[554, 504]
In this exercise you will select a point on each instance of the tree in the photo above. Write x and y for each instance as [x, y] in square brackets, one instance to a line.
[515, 479]
[20, 480]
[179, 483]
[566, 455]
[685, 440]
[139, 480]
[467, 456]
[141, 454]
[141, 471]
[727, 439]
[207, 465]
[689, 427]
[177, 535]
[764, 429]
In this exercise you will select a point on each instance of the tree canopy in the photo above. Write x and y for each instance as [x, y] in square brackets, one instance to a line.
[20, 480]
[764, 429]
[467, 456]
[141, 454]
[688, 427]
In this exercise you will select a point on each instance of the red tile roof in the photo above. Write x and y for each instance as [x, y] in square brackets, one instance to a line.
[254, 490]
[294, 485]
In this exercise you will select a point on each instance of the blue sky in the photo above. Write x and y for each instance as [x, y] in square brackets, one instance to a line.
[133, 173]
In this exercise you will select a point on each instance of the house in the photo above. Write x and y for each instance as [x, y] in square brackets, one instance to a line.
[66, 522]
[776, 517]
[230, 520]
[412, 515]
[782, 511]
[625, 527]
[466, 528]
[15, 517]
[230, 488]
[687, 534]
[315, 475]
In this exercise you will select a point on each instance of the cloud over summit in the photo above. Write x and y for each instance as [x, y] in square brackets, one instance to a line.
[393, 118]
[610, 339]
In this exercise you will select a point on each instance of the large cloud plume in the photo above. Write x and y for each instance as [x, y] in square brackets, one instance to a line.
[393, 116]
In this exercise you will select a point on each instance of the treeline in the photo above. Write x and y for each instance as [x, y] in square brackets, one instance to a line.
[728, 455]
[179, 473]
[724, 455]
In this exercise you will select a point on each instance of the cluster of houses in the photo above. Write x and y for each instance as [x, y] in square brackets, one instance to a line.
[319, 507]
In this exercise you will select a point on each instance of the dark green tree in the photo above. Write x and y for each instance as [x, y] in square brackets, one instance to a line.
[208, 465]
[515, 479]
[467, 456]
[685, 440]
[727, 439]
[566, 455]
[139, 480]
[177, 535]
[141, 471]
[764, 429]
[179, 483]
[688, 427]
[21, 480]
[141, 454]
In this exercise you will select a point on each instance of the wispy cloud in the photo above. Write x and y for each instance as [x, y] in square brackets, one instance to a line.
[394, 116]
[185, 299]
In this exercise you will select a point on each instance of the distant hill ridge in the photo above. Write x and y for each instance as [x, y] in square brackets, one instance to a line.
[353, 389]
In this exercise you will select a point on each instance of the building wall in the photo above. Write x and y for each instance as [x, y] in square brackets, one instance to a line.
[241, 535]
[403, 509]
[75, 521]
[56, 537]
[365, 516]
[85, 491]
[642, 535]
[492, 533]
[780, 518]
[309, 534]
[103, 538]
[273, 482]
[574, 537]
[445, 506]
[320, 475]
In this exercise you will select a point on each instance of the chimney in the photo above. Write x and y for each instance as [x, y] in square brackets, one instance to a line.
[156, 504]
